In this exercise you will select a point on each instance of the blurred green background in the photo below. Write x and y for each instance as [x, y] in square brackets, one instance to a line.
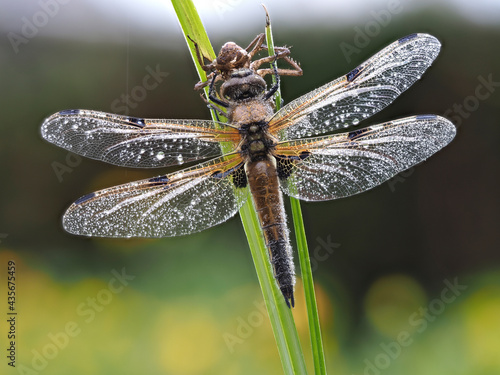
[407, 275]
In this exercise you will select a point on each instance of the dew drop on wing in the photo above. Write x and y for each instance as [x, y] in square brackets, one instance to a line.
[160, 155]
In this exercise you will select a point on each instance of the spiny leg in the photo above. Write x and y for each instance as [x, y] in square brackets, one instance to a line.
[212, 93]
[276, 86]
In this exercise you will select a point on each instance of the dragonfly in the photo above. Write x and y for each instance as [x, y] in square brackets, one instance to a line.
[270, 152]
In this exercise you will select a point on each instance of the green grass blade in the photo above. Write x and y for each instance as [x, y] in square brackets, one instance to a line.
[303, 253]
[193, 27]
[270, 50]
[280, 315]
[307, 280]
[285, 332]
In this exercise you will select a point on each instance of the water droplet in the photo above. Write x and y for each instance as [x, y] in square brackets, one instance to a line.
[160, 155]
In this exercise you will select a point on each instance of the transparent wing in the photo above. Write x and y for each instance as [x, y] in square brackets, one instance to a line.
[170, 205]
[340, 165]
[136, 142]
[359, 94]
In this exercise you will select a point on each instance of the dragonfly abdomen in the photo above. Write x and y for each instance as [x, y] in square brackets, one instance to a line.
[268, 200]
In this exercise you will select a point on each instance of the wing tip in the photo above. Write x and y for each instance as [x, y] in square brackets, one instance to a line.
[448, 129]
[44, 129]
[429, 39]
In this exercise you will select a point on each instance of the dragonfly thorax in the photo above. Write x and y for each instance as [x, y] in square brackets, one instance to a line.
[257, 142]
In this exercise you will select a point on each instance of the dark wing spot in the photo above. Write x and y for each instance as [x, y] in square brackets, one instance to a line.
[137, 121]
[284, 168]
[354, 73]
[161, 180]
[84, 198]
[304, 154]
[407, 38]
[220, 174]
[357, 133]
[233, 171]
[285, 164]
[69, 112]
[425, 117]
[240, 178]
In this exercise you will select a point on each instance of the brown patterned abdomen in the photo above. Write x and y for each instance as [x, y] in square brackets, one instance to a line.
[268, 201]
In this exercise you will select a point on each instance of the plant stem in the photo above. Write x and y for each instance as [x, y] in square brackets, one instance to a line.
[280, 315]
[302, 250]
[307, 280]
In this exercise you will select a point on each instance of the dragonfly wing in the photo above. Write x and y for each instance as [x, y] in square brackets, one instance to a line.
[340, 165]
[359, 94]
[136, 142]
[175, 204]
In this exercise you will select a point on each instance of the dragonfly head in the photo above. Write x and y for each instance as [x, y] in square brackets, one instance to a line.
[243, 84]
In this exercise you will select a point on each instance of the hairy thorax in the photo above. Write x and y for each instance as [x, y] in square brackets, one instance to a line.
[249, 111]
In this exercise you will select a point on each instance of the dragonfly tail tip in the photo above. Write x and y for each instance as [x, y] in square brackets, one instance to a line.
[288, 294]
